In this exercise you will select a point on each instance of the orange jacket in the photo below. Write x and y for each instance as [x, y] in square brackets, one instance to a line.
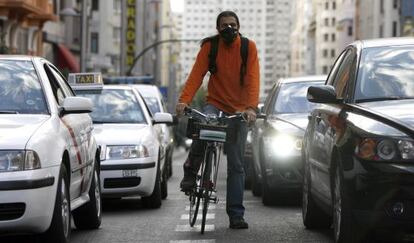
[224, 90]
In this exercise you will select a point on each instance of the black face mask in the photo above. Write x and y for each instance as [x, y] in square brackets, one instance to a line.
[228, 34]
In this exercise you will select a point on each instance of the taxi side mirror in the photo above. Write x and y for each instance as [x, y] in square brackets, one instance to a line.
[76, 105]
[162, 118]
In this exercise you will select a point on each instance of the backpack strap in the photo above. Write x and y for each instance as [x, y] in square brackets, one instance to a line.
[244, 52]
[212, 66]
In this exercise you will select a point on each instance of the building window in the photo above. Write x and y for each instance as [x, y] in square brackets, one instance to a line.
[117, 5]
[325, 53]
[326, 5]
[94, 42]
[95, 5]
[395, 4]
[116, 34]
[326, 22]
[325, 69]
[333, 54]
[382, 6]
[381, 31]
[334, 5]
[333, 37]
[333, 21]
[394, 28]
[350, 30]
[325, 37]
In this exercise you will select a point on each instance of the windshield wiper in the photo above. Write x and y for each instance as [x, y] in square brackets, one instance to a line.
[382, 98]
[9, 112]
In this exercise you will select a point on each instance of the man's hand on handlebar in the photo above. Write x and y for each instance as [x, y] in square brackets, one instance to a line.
[179, 108]
[250, 115]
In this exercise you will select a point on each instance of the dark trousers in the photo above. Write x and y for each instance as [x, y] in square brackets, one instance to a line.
[235, 164]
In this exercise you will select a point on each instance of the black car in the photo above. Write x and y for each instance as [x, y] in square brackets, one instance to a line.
[359, 143]
[276, 141]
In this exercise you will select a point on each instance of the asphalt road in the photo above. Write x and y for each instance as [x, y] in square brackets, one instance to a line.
[127, 221]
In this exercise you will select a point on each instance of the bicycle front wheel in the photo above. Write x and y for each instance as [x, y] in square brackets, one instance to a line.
[194, 205]
[207, 185]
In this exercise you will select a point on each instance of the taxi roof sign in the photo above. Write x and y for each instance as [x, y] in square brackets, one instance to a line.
[85, 80]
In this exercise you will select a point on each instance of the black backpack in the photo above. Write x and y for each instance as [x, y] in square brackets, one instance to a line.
[244, 52]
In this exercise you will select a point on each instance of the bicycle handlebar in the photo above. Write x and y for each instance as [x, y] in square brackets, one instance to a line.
[238, 115]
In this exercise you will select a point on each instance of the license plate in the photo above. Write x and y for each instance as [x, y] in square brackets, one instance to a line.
[129, 173]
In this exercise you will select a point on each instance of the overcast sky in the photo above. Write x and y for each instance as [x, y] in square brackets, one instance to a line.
[177, 5]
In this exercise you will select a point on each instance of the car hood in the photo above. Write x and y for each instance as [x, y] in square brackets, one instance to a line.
[401, 110]
[122, 134]
[16, 130]
[289, 123]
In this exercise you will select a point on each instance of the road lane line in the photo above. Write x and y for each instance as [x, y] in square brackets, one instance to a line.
[196, 228]
[192, 241]
[209, 216]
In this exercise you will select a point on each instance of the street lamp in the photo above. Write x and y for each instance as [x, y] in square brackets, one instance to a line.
[84, 37]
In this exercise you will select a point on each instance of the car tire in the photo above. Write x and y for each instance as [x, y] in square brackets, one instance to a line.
[154, 200]
[313, 216]
[164, 185]
[268, 197]
[60, 226]
[256, 186]
[345, 228]
[169, 162]
[89, 215]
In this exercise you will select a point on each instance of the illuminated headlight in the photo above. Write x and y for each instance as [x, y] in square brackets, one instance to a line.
[18, 160]
[126, 152]
[282, 145]
[385, 149]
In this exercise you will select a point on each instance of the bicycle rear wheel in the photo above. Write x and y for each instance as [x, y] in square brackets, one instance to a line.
[207, 181]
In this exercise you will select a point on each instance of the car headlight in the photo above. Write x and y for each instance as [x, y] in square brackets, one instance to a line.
[18, 160]
[282, 145]
[126, 152]
[385, 149]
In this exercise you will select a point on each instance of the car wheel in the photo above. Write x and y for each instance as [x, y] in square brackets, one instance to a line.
[345, 229]
[89, 215]
[313, 216]
[267, 194]
[256, 186]
[154, 200]
[164, 185]
[60, 227]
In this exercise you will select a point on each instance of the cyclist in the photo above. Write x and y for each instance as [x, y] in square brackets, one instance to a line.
[229, 90]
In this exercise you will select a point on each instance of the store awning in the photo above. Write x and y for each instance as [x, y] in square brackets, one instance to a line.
[66, 59]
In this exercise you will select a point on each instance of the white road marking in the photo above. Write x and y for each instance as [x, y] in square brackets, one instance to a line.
[196, 228]
[192, 241]
[199, 216]
[187, 208]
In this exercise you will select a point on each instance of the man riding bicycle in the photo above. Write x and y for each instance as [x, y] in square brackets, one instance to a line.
[233, 87]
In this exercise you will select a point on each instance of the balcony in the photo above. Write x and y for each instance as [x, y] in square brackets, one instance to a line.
[32, 12]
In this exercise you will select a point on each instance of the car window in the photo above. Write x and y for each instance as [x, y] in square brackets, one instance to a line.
[344, 74]
[385, 73]
[20, 88]
[334, 70]
[291, 98]
[62, 82]
[58, 92]
[114, 106]
[153, 105]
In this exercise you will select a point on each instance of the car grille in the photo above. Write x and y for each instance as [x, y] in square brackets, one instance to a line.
[9, 211]
[122, 182]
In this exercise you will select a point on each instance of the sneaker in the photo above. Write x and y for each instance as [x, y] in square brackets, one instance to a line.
[188, 182]
[238, 223]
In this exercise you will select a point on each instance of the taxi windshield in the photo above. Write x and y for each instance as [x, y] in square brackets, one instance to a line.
[152, 104]
[20, 89]
[114, 106]
[385, 73]
[292, 98]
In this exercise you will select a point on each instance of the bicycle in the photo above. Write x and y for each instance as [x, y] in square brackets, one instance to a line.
[214, 130]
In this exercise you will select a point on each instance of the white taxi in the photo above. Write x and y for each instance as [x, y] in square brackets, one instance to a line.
[48, 157]
[131, 148]
[155, 102]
